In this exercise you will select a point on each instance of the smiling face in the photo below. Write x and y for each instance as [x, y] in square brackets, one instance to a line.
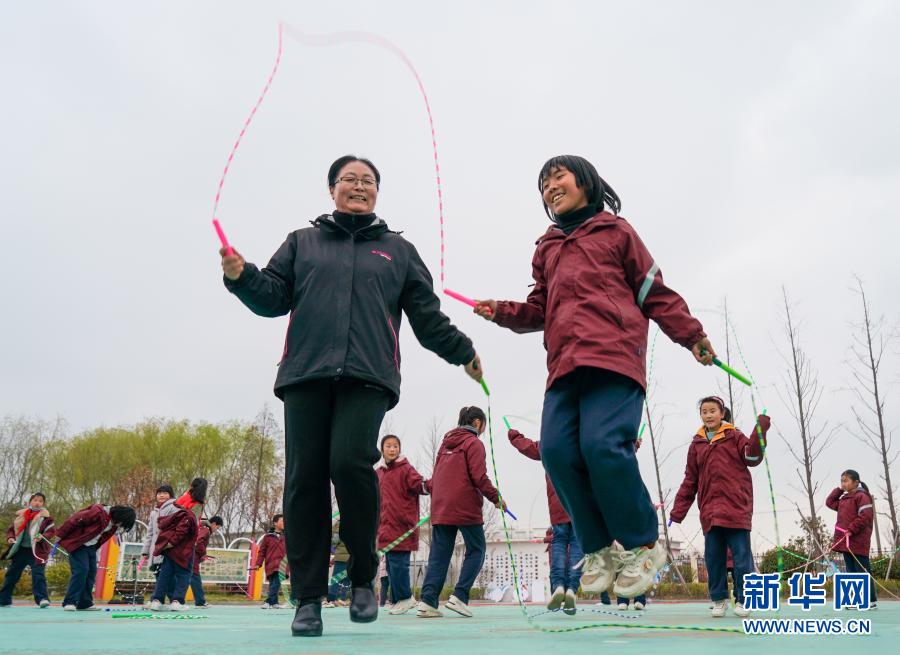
[355, 190]
[711, 415]
[162, 496]
[561, 193]
[36, 503]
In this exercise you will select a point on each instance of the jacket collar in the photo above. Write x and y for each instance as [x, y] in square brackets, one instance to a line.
[718, 436]
[372, 231]
[397, 462]
[599, 221]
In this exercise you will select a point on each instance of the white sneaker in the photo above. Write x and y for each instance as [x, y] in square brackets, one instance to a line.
[426, 611]
[69, 608]
[175, 606]
[640, 566]
[557, 599]
[455, 604]
[638, 605]
[326, 605]
[597, 569]
[623, 606]
[44, 603]
[719, 607]
[282, 606]
[92, 608]
[266, 606]
[571, 600]
[740, 610]
[156, 606]
[403, 606]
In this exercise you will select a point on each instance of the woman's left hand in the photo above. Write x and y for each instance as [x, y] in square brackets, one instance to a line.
[473, 369]
[703, 351]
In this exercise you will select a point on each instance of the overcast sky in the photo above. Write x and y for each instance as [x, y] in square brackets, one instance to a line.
[753, 145]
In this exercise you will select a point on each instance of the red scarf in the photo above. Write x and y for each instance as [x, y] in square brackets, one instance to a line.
[27, 516]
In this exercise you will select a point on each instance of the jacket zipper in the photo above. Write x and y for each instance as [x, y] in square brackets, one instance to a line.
[396, 344]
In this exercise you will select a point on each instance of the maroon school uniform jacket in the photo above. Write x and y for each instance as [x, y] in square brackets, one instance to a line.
[855, 515]
[531, 450]
[271, 551]
[594, 293]
[716, 474]
[177, 536]
[200, 546]
[40, 524]
[401, 485]
[460, 480]
[83, 526]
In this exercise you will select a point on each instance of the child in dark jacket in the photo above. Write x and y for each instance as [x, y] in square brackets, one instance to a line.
[204, 532]
[401, 485]
[175, 542]
[853, 528]
[271, 551]
[716, 474]
[28, 544]
[80, 536]
[596, 287]
[565, 552]
[457, 486]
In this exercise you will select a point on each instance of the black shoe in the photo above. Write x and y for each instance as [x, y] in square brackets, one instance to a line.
[308, 620]
[363, 605]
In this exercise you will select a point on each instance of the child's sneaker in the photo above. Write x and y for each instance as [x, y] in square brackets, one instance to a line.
[740, 610]
[426, 611]
[204, 606]
[455, 604]
[597, 569]
[155, 606]
[44, 603]
[328, 604]
[571, 599]
[265, 606]
[403, 606]
[623, 606]
[92, 608]
[640, 566]
[638, 605]
[175, 606]
[282, 606]
[719, 607]
[68, 608]
[557, 599]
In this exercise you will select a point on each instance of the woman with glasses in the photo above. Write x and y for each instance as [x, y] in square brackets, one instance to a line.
[344, 281]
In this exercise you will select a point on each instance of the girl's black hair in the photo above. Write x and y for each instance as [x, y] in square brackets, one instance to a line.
[167, 489]
[123, 516]
[389, 436]
[274, 521]
[198, 489]
[340, 162]
[853, 475]
[35, 495]
[217, 520]
[468, 416]
[596, 189]
[726, 412]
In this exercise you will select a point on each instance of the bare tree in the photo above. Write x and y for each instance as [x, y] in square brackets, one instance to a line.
[430, 447]
[871, 339]
[801, 394]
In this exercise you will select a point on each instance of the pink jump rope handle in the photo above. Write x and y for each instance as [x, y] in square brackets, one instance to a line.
[461, 298]
[228, 249]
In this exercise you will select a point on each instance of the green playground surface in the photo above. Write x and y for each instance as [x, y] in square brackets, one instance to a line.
[495, 629]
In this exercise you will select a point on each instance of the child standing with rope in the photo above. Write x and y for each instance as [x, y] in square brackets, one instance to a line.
[716, 474]
[457, 486]
[595, 288]
[853, 528]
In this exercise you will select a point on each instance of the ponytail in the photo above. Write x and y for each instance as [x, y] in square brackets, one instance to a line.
[853, 475]
[198, 488]
[468, 416]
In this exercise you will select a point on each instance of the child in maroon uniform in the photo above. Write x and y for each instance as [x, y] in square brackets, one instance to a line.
[28, 544]
[80, 536]
[717, 475]
[175, 542]
[401, 485]
[853, 528]
[596, 287]
[271, 551]
[204, 532]
[457, 486]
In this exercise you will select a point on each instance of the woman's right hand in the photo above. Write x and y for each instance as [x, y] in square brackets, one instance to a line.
[486, 309]
[233, 264]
